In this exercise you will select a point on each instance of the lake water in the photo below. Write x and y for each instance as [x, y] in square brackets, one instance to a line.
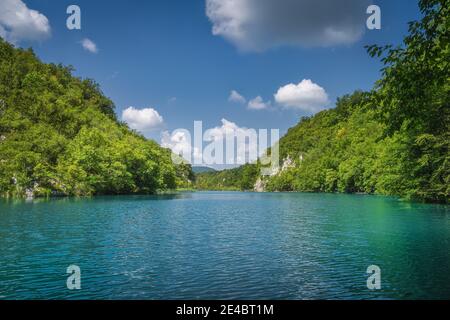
[213, 245]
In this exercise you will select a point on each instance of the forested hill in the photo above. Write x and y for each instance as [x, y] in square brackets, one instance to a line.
[59, 135]
[393, 140]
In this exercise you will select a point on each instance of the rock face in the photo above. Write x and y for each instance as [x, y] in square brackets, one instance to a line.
[288, 163]
[260, 185]
[29, 193]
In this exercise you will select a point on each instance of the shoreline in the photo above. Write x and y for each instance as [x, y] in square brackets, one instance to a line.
[189, 190]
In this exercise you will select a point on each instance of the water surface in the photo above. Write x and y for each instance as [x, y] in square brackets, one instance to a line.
[224, 245]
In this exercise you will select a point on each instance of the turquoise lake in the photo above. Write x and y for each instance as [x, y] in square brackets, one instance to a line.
[224, 245]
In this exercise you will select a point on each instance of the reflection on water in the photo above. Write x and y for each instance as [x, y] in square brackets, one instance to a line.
[164, 196]
[231, 245]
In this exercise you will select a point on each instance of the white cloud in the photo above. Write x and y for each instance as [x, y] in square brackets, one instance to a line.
[227, 127]
[143, 120]
[306, 96]
[258, 104]
[180, 144]
[256, 25]
[237, 97]
[89, 45]
[246, 150]
[18, 22]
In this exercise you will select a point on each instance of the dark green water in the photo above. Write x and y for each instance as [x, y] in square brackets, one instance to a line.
[224, 246]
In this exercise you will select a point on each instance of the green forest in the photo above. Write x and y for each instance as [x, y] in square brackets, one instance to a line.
[393, 140]
[59, 135]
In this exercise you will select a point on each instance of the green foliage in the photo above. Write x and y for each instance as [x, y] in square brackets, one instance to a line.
[59, 135]
[334, 151]
[242, 178]
[393, 140]
[414, 103]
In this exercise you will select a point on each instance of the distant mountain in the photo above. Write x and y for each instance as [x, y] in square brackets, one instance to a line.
[198, 170]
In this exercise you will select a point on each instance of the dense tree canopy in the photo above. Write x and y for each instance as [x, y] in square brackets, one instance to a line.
[393, 140]
[241, 178]
[59, 135]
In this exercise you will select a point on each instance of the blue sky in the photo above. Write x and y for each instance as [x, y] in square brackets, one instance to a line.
[164, 55]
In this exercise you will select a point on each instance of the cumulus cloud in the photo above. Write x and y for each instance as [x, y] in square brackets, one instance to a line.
[18, 22]
[258, 104]
[237, 97]
[143, 120]
[305, 96]
[256, 25]
[246, 149]
[244, 140]
[180, 143]
[89, 45]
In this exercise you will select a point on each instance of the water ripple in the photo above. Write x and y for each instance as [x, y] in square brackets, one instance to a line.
[224, 246]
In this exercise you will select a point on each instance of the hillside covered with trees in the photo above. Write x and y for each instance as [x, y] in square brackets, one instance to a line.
[59, 135]
[241, 178]
[393, 140]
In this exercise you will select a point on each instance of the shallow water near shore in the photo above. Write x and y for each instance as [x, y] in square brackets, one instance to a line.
[224, 245]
